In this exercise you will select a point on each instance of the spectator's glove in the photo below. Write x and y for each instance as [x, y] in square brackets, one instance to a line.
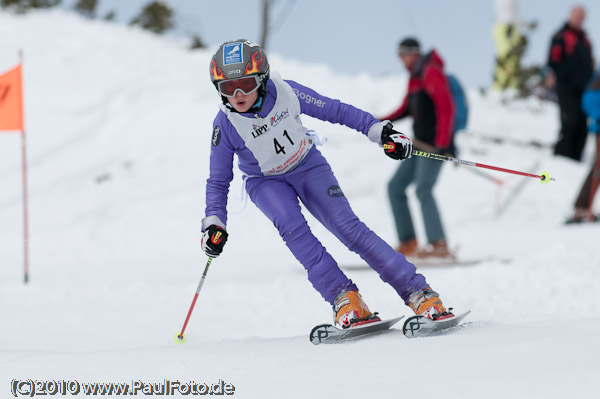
[213, 240]
[395, 144]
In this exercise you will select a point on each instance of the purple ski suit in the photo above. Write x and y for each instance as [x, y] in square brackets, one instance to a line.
[310, 180]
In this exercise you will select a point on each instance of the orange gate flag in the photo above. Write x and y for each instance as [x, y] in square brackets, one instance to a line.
[11, 100]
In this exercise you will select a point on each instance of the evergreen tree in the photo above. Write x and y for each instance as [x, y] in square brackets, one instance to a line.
[86, 8]
[197, 43]
[22, 6]
[111, 15]
[156, 17]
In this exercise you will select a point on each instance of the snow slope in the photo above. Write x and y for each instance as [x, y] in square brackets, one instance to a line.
[118, 131]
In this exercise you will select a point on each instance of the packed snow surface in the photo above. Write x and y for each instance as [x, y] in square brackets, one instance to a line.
[118, 127]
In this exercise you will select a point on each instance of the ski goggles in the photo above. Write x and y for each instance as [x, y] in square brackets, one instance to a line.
[246, 85]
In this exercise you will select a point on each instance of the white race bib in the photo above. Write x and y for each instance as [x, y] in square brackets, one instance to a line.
[278, 141]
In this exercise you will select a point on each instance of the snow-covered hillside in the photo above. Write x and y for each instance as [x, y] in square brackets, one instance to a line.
[118, 130]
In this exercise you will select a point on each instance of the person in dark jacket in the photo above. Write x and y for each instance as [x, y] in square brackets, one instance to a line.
[429, 102]
[570, 59]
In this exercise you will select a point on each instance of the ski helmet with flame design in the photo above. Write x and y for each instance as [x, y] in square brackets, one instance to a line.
[238, 59]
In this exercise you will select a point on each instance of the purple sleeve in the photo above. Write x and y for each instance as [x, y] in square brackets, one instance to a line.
[334, 111]
[221, 168]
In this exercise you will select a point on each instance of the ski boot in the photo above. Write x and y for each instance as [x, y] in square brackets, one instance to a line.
[408, 248]
[427, 302]
[582, 216]
[438, 250]
[349, 310]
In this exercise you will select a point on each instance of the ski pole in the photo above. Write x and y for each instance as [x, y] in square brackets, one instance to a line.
[502, 140]
[423, 146]
[544, 177]
[487, 176]
[179, 338]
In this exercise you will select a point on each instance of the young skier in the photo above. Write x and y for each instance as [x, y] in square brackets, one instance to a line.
[259, 121]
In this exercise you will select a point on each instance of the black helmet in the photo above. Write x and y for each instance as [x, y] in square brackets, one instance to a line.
[239, 59]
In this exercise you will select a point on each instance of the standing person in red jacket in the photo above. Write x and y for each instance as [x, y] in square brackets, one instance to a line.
[429, 101]
[571, 62]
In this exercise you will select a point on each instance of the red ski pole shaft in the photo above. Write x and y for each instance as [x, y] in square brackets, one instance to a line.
[544, 177]
[180, 335]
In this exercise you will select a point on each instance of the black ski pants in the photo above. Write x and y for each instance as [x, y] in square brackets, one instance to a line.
[573, 130]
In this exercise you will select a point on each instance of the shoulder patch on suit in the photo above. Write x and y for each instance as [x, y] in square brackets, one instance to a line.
[335, 191]
[216, 136]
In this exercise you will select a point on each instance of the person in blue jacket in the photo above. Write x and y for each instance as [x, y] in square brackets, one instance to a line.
[259, 121]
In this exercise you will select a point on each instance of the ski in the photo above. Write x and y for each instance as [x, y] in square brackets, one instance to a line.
[433, 262]
[437, 262]
[329, 334]
[421, 326]
[585, 220]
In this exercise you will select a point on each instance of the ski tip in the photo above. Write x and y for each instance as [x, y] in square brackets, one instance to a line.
[179, 338]
[320, 333]
[412, 325]
[420, 326]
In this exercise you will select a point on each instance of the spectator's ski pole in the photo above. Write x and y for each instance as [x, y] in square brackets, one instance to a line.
[487, 176]
[179, 338]
[503, 140]
[544, 177]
